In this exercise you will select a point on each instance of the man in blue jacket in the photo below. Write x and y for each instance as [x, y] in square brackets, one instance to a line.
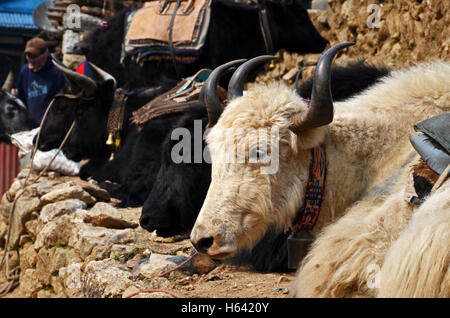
[39, 80]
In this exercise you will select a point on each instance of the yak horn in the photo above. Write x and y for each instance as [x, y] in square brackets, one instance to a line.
[104, 75]
[9, 81]
[73, 88]
[209, 91]
[320, 111]
[81, 81]
[237, 81]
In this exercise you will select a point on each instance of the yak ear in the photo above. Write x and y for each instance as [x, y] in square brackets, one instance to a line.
[106, 92]
[308, 138]
[311, 138]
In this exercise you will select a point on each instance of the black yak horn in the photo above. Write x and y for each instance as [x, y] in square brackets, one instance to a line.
[73, 88]
[9, 81]
[210, 95]
[321, 110]
[81, 81]
[237, 81]
[104, 75]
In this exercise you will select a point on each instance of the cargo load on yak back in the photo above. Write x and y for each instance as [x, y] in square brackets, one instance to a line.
[181, 185]
[201, 34]
[347, 160]
[14, 115]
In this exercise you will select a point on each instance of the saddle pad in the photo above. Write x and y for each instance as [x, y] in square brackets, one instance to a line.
[438, 128]
[431, 152]
[149, 24]
[184, 95]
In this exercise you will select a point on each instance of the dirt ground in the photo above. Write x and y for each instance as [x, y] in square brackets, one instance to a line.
[223, 281]
[231, 282]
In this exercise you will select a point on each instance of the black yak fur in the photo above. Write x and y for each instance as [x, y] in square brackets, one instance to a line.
[14, 116]
[234, 33]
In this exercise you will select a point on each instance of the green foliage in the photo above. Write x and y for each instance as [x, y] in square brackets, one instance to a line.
[127, 256]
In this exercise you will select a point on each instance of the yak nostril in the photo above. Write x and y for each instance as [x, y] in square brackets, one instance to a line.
[144, 221]
[204, 244]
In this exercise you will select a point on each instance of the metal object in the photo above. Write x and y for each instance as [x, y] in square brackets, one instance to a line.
[298, 246]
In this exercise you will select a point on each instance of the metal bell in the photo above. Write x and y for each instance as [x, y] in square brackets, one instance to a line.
[110, 140]
[272, 65]
[118, 140]
[298, 244]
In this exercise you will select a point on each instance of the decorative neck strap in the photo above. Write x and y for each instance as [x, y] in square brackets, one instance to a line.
[315, 190]
[115, 120]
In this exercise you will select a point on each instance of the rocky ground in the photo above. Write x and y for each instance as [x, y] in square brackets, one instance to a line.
[396, 33]
[70, 241]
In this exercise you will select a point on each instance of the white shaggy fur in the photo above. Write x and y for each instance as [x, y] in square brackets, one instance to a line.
[368, 153]
[417, 263]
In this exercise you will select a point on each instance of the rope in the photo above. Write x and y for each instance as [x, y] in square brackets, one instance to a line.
[13, 275]
[172, 53]
[178, 266]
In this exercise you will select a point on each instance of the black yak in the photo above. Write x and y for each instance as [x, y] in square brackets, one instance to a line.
[14, 115]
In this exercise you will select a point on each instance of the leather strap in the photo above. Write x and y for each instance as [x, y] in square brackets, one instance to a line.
[172, 53]
[265, 28]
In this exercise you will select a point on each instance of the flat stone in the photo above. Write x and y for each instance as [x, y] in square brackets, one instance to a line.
[56, 232]
[28, 257]
[33, 227]
[65, 207]
[103, 279]
[22, 213]
[97, 192]
[70, 278]
[58, 287]
[65, 193]
[157, 264]
[87, 237]
[29, 285]
[43, 266]
[105, 208]
[109, 222]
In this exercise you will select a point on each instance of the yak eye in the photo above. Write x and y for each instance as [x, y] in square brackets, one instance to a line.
[10, 111]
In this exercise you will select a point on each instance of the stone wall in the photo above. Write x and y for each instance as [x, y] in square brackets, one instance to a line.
[69, 241]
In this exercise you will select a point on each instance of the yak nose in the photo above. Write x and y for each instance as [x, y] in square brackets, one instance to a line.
[201, 239]
[146, 223]
[203, 244]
